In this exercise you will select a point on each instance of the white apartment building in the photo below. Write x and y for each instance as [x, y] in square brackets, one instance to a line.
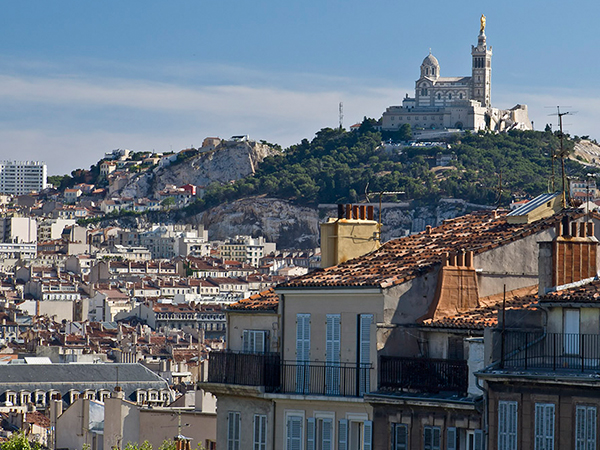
[22, 177]
[246, 249]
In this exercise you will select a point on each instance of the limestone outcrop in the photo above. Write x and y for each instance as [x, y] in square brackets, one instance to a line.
[229, 161]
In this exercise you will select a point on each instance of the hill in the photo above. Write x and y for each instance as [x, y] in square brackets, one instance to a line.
[338, 166]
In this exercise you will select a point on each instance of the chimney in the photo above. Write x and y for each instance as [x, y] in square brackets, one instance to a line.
[348, 237]
[570, 257]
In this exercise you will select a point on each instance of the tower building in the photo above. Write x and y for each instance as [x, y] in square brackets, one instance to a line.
[444, 104]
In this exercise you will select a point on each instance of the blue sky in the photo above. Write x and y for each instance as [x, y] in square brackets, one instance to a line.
[78, 78]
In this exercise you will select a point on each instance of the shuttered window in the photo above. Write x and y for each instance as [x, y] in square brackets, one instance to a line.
[507, 425]
[585, 427]
[478, 440]
[367, 435]
[451, 438]
[544, 426]
[302, 353]
[255, 341]
[234, 420]
[260, 432]
[294, 432]
[399, 436]
[432, 437]
[332, 350]
[364, 350]
[343, 434]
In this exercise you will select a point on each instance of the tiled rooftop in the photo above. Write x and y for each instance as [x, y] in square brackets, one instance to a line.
[588, 293]
[402, 259]
[264, 301]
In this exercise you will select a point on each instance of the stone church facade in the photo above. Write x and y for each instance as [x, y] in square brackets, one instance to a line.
[446, 103]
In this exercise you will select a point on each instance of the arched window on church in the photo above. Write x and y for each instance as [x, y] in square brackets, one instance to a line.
[439, 96]
[427, 71]
[449, 96]
[433, 71]
[460, 96]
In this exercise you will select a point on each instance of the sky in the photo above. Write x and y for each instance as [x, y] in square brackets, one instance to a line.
[81, 78]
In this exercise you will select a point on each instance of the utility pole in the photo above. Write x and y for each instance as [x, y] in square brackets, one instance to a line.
[341, 115]
[562, 156]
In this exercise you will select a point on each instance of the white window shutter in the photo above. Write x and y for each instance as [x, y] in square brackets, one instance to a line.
[327, 443]
[427, 437]
[294, 433]
[310, 434]
[437, 438]
[364, 336]
[591, 427]
[451, 438]
[400, 437]
[332, 354]
[580, 428]
[368, 435]
[246, 341]
[478, 441]
[343, 434]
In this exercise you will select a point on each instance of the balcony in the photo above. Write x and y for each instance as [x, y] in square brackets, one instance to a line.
[423, 374]
[289, 377]
[550, 351]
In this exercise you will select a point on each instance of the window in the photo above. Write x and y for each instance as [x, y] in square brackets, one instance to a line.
[544, 426]
[302, 352]
[355, 434]
[507, 425]
[233, 430]
[319, 434]
[293, 432]
[364, 348]
[332, 349]
[585, 427]
[399, 436]
[255, 341]
[432, 437]
[260, 432]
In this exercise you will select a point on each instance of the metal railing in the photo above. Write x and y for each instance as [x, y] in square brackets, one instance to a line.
[423, 374]
[551, 351]
[289, 377]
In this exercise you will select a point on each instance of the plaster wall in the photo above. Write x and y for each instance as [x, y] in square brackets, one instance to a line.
[157, 426]
[318, 408]
[247, 407]
[238, 322]
[514, 264]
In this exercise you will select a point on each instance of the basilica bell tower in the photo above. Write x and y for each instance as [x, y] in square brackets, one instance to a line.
[481, 81]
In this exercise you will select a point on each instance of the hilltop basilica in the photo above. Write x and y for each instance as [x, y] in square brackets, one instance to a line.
[445, 103]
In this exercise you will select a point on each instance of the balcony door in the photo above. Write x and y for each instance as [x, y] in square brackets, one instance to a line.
[571, 331]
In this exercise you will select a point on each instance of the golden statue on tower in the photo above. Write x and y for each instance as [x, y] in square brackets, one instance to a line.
[482, 29]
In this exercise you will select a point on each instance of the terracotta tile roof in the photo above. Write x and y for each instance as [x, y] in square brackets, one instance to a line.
[406, 258]
[588, 293]
[264, 301]
[485, 316]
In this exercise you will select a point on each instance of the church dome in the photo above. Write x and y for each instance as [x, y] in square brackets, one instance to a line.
[430, 67]
[430, 60]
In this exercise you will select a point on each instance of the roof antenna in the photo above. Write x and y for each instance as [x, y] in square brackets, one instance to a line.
[562, 155]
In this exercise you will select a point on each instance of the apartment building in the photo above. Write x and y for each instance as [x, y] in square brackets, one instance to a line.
[22, 177]
[362, 355]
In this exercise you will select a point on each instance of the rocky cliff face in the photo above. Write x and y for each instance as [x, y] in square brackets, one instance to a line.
[295, 227]
[279, 221]
[227, 162]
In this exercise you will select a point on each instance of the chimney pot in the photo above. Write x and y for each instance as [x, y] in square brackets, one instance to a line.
[340, 211]
[582, 229]
[355, 211]
[348, 211]
[573, 229]
[363, 212]
[370, 211]
[590, 228]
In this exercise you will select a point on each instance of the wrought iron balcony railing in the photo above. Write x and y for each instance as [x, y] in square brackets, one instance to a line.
[423, 374]
[289, 377]
[550, 351]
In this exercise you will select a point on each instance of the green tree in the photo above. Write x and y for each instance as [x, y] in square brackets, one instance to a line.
[18, 441]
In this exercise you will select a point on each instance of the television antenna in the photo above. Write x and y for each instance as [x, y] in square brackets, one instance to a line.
[562, 154]
[380, 194]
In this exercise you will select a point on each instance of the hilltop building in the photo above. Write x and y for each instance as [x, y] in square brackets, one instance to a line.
[443, 103]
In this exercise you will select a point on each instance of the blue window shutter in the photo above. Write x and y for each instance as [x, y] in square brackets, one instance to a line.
[343, 434]
[310, 434]
[368, 435]
[451, 438]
